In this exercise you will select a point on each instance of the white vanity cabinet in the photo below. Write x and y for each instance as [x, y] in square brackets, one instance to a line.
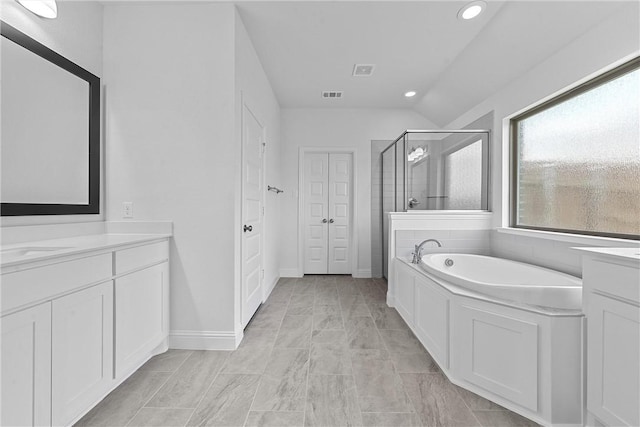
[141, 301]
[75, 327]
[26, 367]
[612, 306]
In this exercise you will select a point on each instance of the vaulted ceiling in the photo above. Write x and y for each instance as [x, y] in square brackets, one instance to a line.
[307, 47]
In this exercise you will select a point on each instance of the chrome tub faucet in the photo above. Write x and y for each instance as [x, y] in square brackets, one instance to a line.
[417, 252]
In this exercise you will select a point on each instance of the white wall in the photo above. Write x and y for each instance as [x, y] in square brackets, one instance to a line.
[252, 87]
[336, 128]
[77, 35]
[614, 39]
[169, 75]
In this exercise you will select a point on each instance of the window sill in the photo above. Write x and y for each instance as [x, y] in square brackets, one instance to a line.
[570, 238]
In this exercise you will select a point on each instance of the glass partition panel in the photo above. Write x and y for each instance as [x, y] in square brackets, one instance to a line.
[463, 177]
[447, 170]
[400, 176]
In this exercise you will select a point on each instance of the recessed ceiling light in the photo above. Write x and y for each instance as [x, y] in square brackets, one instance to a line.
[472, 10]
[410, 94]
[44, 8]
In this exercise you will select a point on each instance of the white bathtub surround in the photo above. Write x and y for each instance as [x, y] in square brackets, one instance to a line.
[458, 231]
[612, 307]
[525, 357]
[549, 249]
[78, 316]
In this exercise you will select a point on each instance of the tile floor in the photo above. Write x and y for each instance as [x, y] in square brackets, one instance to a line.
[322, 351]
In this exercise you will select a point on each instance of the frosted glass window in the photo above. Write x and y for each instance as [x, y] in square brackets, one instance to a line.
[463, 178]
[578, 161]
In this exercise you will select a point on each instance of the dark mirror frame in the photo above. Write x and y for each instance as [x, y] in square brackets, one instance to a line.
[93, 207]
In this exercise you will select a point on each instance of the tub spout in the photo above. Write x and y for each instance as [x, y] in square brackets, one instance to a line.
[417, 253]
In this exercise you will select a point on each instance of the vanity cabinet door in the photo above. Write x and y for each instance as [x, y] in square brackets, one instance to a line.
[613, 350]
[141, 322]
[82, 351]
[26, 367]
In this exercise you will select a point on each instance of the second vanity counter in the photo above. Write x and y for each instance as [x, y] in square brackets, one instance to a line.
[16, 256]
[78, 315]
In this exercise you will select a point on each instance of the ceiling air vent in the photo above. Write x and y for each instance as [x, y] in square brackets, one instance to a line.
[332, 94]
[363, 70]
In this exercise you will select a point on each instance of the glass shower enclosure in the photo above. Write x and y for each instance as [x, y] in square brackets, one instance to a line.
[427, 170]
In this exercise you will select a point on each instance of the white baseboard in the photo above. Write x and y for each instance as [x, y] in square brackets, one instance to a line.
[269, 288]
[204, 340]
[290, 272]
[391, 300]
[362, 273]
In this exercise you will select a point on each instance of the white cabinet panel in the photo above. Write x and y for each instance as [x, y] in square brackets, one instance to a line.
[496, 352]
[141, 256]
[82, 351]
[140, 300]
[613, 368]
[26, 367]
[404, 298]
[432, 319]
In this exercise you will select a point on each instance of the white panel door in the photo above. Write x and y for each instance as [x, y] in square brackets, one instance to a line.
[339, 256]
[25, 398]
[316, 212]
[82, 351]
[252, 213]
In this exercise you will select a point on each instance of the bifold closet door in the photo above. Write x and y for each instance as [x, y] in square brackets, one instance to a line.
[316, 192]
[339, 257]
[327, 215]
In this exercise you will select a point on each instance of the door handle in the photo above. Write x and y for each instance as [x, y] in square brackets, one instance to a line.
[248, 228]
[331, 221]
[324, 220]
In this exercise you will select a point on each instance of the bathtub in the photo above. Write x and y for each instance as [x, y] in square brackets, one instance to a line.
[507, 280]
[508, 331]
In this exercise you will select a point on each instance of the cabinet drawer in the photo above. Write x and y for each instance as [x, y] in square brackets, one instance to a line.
[38, 284]
[141, 256]
[618, 280]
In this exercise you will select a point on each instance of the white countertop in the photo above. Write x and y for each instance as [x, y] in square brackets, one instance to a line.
[15, 255]
[620, 253]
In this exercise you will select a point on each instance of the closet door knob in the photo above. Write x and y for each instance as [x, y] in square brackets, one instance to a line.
[248, 228]
[324, 220]
[331, 221]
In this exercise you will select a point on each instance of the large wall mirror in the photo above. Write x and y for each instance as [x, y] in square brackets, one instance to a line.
[50, 131]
